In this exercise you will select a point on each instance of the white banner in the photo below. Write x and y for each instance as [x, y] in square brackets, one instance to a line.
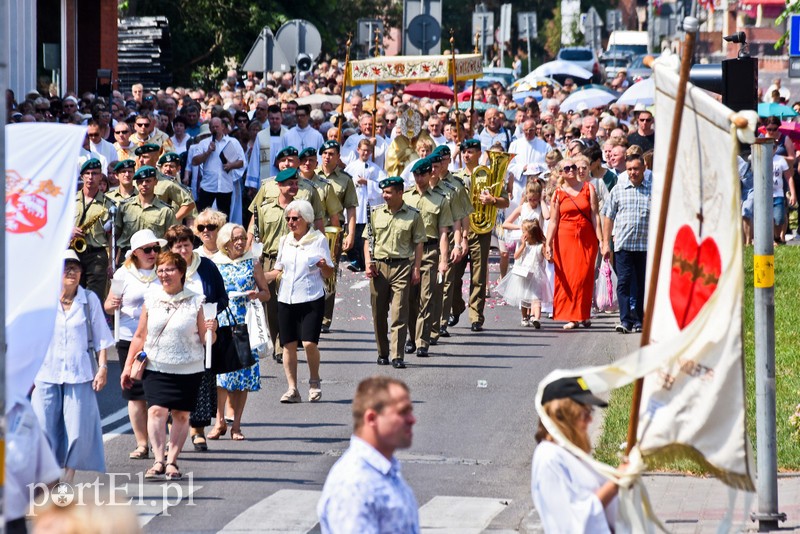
[40, 210]
[693, 399]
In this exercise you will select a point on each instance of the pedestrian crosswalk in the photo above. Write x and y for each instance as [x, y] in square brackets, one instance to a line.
[295, 512]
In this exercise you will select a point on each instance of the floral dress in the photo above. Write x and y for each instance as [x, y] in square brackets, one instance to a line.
[238, 276]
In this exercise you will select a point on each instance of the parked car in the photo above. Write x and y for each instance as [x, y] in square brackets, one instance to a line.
[501, 74]
[613, 62]
[586, 58]
[638, 70]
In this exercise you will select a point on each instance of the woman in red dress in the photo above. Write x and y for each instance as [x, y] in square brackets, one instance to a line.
[572, 240]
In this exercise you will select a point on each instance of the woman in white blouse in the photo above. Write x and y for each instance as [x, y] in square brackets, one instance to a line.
[304, 259]
[137, 277]
[64, 397]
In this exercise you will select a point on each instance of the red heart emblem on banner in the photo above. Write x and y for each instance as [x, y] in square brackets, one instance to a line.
[696, 269]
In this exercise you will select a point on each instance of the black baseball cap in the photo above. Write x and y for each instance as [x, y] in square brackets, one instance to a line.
[574, 388]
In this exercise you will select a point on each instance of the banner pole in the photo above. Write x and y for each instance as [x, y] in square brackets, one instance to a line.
[344, 86]
[690, 26]
[455, 86]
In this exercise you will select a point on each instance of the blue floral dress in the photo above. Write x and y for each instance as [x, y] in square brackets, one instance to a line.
[238, 276]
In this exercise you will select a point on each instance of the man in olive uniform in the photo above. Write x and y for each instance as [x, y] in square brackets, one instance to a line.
[393, 242]
[345, 191]
[169, 169]
[92, 220]
[460, 207]
[307, 171]
[435, 211]
[269, 190]
[126, 189]
[166, 190]
[269, 225]
[144, 211]
[478, 245]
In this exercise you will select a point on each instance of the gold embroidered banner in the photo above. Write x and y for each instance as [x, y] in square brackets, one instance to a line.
[414, 69]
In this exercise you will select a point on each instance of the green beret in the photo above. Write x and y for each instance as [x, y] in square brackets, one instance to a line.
[470, 143]
[286, 152]
[309, 152]
[422, 166]
[146, 149]
[125, 164]
[442, 150]
[330, 143]
[436, 157]
[144, 172]
[390, 181]
[286, 174]
[91, 164]
[169, 157]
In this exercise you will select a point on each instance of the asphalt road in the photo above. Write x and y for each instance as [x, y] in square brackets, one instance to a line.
[473, 441]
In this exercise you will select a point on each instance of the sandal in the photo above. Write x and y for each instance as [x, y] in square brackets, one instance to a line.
[199, 442]
[142, 452]
[314, 390]
[570, 325]
[155, 472]
[587, 323]
[216, 432]
[236, 435]
[176, 475]
[292, 396]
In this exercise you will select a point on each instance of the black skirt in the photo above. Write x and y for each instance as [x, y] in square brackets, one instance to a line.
[136, 393]
[301, 322]
[176, 392]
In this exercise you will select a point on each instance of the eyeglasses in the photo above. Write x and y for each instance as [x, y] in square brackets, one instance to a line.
[70, 269]
[237, 239]
[207, 227]
[154, 248]
[121, 132]
[646, 120]
[569, 168]
[166, 271]
[549, 135]
[569, 137]
[93, 135]
[775, 129]
[292, 219]
[142, 124]
[242, 120]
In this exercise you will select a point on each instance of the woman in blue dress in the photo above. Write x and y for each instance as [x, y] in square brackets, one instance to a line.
[244, 281]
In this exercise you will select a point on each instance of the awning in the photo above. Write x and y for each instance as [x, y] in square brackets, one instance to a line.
[414, 69]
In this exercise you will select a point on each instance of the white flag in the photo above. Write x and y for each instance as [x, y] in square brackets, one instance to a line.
[40, 213]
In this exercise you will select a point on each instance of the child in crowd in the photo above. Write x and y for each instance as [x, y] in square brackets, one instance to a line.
[531, 208]
[526, 285]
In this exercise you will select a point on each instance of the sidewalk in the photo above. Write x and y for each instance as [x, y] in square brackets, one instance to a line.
[695, 505]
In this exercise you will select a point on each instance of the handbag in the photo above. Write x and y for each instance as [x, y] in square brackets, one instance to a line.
[232, 350]
[605, 288]
[256, 322]
[140, 362]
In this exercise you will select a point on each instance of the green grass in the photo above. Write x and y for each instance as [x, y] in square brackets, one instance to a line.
[787, 371]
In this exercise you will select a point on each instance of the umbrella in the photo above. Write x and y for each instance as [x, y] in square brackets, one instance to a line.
[643, 92]
[429, 90]
[599, 88]
[772, 109]
[592, 98]
[792, 129]
[520, 97]
[564, 68]
[319, 99]
[479, 106]
[530, 83]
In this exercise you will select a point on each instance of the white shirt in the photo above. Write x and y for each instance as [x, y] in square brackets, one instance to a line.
[563, 493]
[350, 154]
[136, 282]
[307, 137]
[213, 178]
[105, 149]
[173, 341]
[276, 144]
[529, 155]
[68, 360]
[779, 166]
[180, 146]
[371, 191]
[301, 283]
[439, 140]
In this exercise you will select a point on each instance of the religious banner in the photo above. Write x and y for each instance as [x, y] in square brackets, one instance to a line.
[414, 69]
[40, 213]
[693, 403]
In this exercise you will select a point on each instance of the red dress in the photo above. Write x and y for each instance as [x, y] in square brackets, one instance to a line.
[574, 256]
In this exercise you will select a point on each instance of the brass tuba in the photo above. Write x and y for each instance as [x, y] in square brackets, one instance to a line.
[491, 178]
[334, 237]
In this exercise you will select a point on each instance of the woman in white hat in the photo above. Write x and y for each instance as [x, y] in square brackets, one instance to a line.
[74, 369]
[138, 276]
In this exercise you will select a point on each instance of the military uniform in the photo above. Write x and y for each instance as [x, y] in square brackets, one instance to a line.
[116, 196]
[94, 260]
[395, 237]
[133, 216]
[345, 190]
[171, 192]
[305, 191]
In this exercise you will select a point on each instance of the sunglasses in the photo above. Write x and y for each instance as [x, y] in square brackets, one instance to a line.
[292, 219]
[646, 120]
[569, 168]
[121, 132]
[154, 248]
[143, 124]
[92, 136]
[207, 227]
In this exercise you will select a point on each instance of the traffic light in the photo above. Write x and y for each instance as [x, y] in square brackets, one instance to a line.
[304, 62]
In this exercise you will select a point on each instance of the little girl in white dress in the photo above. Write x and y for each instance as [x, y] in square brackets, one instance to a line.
[527, 285]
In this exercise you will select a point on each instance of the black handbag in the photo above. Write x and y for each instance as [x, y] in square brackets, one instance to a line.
[231, 352]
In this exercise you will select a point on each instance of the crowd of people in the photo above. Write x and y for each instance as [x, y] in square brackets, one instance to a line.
[247, 195]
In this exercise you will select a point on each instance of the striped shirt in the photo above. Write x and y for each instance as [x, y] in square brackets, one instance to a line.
[629, 207]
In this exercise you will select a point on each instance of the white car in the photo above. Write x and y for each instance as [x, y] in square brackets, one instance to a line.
[586, 58]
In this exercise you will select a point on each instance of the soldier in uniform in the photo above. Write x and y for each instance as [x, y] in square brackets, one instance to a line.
[126, 188]
[393, 243]
[166, 189]
[435, 210]
[144, 211]
[92, 220]
[441, 180]
[478, 246]
[269, 225]
[345, 190]
[307, 171]
[169, 167]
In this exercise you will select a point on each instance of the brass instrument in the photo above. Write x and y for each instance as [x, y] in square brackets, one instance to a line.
[78, 243]
[491, 178]
[334, 236]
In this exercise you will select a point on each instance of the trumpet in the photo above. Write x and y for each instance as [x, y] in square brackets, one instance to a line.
[78, 243]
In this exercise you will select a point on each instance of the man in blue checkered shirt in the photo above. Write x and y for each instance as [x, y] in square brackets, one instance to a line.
[627, 211]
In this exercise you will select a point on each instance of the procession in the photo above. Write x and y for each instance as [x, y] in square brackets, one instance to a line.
[366, 240]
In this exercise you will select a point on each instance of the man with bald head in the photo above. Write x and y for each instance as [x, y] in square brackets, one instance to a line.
[530, 153]
[350, 147]
[589, 127]
[220, 156]
[493, 131]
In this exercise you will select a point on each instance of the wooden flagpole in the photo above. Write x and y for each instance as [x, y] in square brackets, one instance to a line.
[455, 86]
[472, 97]
[375, 86]
[690, 25]
[344, 86]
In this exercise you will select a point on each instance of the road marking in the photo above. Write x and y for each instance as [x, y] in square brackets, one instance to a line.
[359, 285]
[462, 515]
[120, 430]
[154, 499]
[114, 417]
[289, 511]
